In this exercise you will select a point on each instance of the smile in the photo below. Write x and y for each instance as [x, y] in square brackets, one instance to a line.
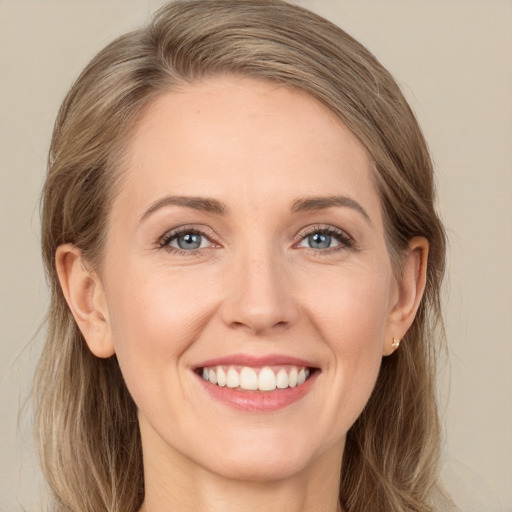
[257, 384]
[246, 378]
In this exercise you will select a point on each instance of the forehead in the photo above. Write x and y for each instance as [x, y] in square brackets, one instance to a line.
[239, 138]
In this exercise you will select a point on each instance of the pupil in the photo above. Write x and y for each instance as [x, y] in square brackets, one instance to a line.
[319, 241]
[189, 241]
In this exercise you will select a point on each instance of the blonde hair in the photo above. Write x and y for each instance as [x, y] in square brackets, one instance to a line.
[86, 421]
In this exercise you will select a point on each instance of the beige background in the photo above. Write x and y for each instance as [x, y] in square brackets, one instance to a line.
[453, 59]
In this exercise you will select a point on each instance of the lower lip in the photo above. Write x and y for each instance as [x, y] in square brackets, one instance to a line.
[259, 401]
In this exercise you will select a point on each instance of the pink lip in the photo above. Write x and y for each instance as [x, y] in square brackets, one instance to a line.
[256, 361]
[257, 401]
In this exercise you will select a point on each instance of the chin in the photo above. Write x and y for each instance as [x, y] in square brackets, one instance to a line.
[263, 470]
[267, 458]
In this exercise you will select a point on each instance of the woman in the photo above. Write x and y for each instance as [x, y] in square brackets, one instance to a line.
[245, 261]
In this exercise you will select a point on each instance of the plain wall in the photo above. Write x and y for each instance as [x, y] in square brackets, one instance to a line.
[453, 59]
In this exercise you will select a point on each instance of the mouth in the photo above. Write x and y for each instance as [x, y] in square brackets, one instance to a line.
[257, 384]
[249, 378]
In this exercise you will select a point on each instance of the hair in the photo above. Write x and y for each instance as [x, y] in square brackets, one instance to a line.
[86, 421]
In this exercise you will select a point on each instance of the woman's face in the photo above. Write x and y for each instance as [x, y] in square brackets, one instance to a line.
[246, 246]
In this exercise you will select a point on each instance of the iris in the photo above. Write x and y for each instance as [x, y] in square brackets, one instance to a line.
[319, 241]
[189, 241]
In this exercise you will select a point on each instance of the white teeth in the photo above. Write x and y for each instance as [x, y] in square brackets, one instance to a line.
[233, 379]
[252, 379]
[282, 379]
[292, 377]
[221, 377]
[266, 379]
[248, 379]
[212, 377]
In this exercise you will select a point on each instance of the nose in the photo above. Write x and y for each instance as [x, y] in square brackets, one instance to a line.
[259, 295]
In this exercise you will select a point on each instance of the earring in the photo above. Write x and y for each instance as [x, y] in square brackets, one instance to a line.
[396, 343]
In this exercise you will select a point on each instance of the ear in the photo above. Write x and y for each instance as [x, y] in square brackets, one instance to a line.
[86, 299]
[411, 285]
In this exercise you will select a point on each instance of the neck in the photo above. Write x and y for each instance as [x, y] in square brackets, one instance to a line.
[175, 483]
[223, 495]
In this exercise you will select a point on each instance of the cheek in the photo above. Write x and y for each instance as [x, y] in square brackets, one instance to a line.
[154, 318]
[352, 319]
[352, 309]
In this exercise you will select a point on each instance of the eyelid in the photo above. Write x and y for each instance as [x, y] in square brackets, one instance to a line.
[171, 234]
[346, 240]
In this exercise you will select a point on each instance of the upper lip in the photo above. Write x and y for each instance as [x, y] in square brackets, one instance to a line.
[256, 361]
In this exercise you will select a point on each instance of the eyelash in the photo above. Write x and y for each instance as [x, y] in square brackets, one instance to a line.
[344, 239]
[184, 230]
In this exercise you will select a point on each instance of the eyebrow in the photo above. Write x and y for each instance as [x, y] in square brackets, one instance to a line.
[196, 203]
[213, 206]
[321, 203]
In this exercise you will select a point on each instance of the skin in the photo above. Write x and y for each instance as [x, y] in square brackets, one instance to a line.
[255, 286]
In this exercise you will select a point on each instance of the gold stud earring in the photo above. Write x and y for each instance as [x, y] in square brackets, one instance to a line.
[396, 343]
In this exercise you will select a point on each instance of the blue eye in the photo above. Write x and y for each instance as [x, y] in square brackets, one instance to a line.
[325, 238]
[321, 241]
[186, 241]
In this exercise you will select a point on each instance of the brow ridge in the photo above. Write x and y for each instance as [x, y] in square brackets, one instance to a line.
[215, 206]
[323, 202]
[197, 203]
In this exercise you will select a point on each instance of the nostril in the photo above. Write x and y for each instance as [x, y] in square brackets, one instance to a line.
[258, 299]
[259, 326]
